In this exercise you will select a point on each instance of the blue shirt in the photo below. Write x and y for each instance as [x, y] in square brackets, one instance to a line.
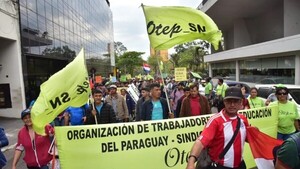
[99, 107]
[76, 114]
[157, 112]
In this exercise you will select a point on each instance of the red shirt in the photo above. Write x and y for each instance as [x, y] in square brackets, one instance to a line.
[195, 106]
[218, 132]
[42, 145]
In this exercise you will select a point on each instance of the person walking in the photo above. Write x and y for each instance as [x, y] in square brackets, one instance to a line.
[129, 102]
[156, 108]
[179, 103]
[220, 93]
[195, 104]
[176, 94]
[3, 142]
[145, 92]
[35, 146]
[254, 100]
[287, 114]
[75, 115]
[118, 103]
[208, 90]
[218, 132]
[103, 112]
[245, 102]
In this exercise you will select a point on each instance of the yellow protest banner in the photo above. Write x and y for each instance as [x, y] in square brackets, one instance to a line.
[148, 145]
[180, 74]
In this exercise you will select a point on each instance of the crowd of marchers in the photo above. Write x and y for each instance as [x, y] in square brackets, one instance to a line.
[163, 100]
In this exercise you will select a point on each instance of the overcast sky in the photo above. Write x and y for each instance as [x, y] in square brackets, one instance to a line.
[130, 25]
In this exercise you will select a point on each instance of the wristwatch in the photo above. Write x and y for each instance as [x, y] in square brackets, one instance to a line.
[196, 159]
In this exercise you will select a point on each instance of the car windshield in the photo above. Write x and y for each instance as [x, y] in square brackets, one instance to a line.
[295, 93]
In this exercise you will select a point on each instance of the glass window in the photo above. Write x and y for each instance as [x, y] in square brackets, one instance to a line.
[62, 34]
[286, 62]
[41, 24]
[55, 15]
[268, 70]
[41, 7]
[49, 28]
[31, 5]
[48, 11]
[56, 31]
[23, 3]
[32, 20]
[224, 69]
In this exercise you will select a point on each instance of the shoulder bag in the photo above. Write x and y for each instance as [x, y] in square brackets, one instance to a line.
[204, 161]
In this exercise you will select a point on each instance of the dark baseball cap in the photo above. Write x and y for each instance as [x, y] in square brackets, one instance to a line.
[24, 113]
[233, 93]
[181, 83]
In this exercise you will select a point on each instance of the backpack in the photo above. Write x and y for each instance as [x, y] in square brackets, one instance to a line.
[295, 138]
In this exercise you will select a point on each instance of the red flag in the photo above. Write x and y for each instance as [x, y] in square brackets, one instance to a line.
[262, 146]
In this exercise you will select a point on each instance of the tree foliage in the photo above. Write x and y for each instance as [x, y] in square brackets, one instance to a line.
[119, 48]
[191, 55]
[130, 61]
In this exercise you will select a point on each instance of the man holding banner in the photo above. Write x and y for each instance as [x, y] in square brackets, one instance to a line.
[103, 112]
[224, 135]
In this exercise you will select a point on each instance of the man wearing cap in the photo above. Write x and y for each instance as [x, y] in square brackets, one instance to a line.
[118, 103]
[218, 132]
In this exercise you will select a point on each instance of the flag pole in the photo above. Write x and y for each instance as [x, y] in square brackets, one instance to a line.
[163, 83]
[93, 105]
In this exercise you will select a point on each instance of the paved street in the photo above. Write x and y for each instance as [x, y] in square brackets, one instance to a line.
[11, 126]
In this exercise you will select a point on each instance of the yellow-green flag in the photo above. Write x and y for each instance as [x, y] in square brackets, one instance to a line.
[161, 65]
[68, 87]
[171, 25]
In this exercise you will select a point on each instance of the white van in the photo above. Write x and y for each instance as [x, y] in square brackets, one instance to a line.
[294, 92]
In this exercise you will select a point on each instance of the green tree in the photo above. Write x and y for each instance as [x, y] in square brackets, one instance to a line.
[119, 48]
[191, 55]
[129, 61]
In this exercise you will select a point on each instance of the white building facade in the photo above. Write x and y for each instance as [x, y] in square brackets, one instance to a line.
[39, 38]
[261, 40]
[12, 97]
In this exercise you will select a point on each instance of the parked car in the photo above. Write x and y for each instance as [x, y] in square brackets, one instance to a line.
[276, 80]
[264, 90]
[235, 83]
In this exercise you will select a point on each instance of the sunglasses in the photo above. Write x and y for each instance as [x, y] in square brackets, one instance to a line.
[281, 93]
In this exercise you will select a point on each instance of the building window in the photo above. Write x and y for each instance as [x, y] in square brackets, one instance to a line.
[5, 99]
[268, 70]
[224, 69]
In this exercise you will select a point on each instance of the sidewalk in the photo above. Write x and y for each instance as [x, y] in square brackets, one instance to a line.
[12, 127]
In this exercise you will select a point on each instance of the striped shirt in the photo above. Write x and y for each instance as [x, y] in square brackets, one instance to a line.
[218, 132]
